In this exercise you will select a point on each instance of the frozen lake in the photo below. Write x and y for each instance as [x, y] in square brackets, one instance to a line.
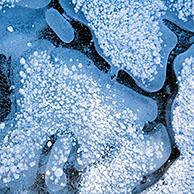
[96, 96]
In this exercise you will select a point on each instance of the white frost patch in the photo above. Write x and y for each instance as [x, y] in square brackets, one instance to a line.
[29, 44]
[184, 8]
[128, 32]
[61, 93]
[22, 61]
[119, 174]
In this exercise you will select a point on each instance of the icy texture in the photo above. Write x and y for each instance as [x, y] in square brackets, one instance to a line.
[105, 103]
[62, 91]
[180, 12]
[59, 25]
[55, 178]
[179, 178]
[120, 173]
[184, 9]
[25, 24]
[18, 156]
[132, 34]
[68, 95]
[36, 4]
[8, 3]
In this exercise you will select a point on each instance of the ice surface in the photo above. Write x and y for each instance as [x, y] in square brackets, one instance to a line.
[181, 12]
[135, 40]
[19, 160]
[180, 60]
[160, 137]
[25, 23]
[59, 25]
[62, 90]
[19, 156]
[179, 177]
[169, 42]
[172, 16]
[138, 103]
[55, 177]
[136, 158]
[35, 4]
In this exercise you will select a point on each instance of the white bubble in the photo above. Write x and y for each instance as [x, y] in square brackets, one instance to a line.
[29, 44]
[22, 91]
[32, 164]
[22, 61]
[2, 125]
[49, 144]
[80, 65]
[48, 172]
[73, 68]
[35, 53]
[10, 29]
[58, 172]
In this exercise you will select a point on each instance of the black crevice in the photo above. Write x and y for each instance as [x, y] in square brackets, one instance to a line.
[5, 101]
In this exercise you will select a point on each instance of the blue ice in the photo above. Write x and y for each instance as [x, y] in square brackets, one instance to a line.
[35, 4]
[68, 7]
[59, 25]
[180, 59]
[59, 89]
[169, 42]
[64, 91]
[55, 178]
[25, 24]
[168, 38]
[180, 14]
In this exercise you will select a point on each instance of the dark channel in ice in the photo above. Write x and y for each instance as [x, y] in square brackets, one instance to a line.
[5, 87]
[82, 41]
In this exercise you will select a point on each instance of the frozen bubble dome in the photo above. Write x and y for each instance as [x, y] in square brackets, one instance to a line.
[96, 97]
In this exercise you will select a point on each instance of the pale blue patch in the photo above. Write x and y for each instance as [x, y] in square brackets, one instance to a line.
[24, 24]
[35, 4]
[59, 25]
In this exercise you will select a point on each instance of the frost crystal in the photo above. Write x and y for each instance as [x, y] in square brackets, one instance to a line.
[128, 32]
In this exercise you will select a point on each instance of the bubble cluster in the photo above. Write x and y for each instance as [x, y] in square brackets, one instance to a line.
[60, 94]
[55, 177]
[128, 32]
[119, 174]
[35, 4]
[56, 97]
[184, 8]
